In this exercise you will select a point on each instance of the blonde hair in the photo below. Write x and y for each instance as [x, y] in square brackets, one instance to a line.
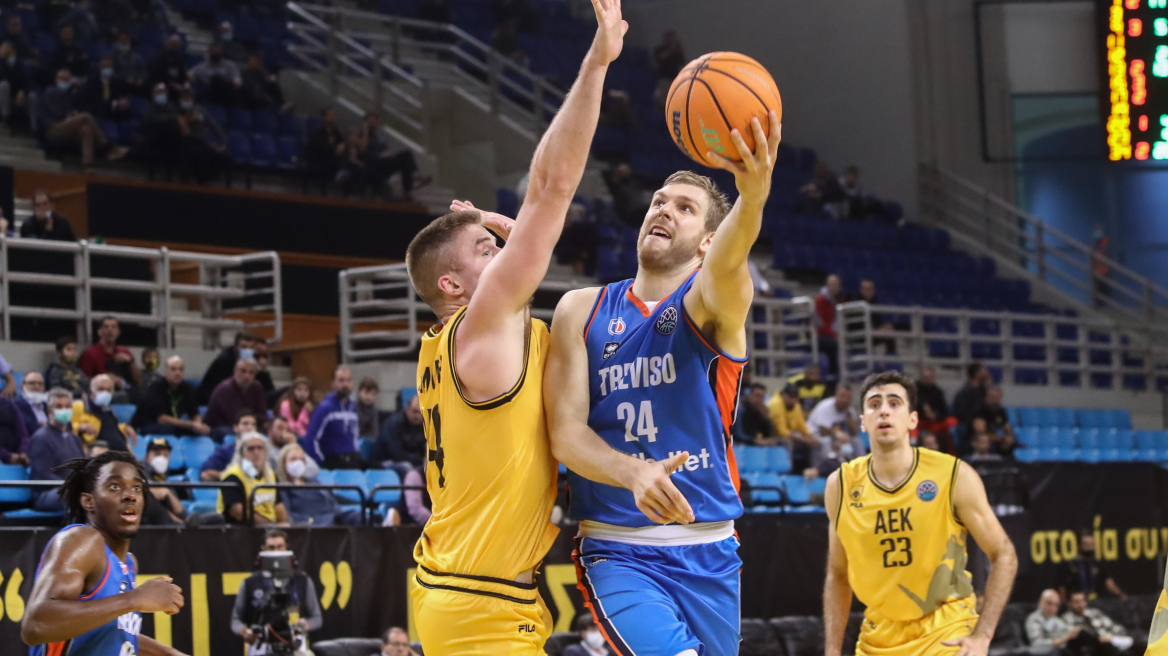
[282, 459]
[428, 257]
[719, 204]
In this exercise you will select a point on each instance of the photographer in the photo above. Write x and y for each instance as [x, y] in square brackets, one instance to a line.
[254, 605]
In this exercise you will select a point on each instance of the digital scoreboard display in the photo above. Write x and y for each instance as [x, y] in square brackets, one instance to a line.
[1136, 49]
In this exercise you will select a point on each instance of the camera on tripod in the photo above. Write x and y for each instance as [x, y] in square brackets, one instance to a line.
[278, 626]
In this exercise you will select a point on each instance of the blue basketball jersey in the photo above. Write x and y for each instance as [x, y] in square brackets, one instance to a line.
[658, 388]
[116, 638]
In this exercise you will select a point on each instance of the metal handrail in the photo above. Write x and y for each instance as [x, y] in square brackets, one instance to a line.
[220, 280]
[785, 335]
[1013, 235]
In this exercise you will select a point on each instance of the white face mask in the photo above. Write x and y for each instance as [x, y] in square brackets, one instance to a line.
[36, 397]
[593, 639]
[250, 469]
[102, 399]
[160, 464]
[296, 468]
[845, 451]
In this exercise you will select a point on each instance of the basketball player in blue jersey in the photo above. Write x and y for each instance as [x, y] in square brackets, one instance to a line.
[84, 601]
[642, 385]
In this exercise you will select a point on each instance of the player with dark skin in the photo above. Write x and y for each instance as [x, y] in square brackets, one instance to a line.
[76, 561]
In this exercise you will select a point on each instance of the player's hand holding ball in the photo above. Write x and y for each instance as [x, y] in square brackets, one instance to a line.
[753, 174]
[610, 32]
[158, 595]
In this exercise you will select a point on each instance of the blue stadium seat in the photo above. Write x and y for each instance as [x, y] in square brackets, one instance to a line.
[1028, 436]
[1145, 440]
[14, 494]
[1048, 454]
[266, 122]
[1026, 454]
[1028, 417]
[779, 459]
[263, 150]
[1064, 418]
[1160, 442]
[1048, 438]
[239, 146]
[817, 486]
[1124, 441]
[218, 114]
[349, 477]
[366, 447]
[325, 477]
[797, 489]
[139, 449]
[1045, 417]
[1090, 455]
[289, 152]
[751, 458]
[124, 411]
[1120, 419]
[1091, 418]
[291, 125]
[240, 120]
[1065, 439]
[1113, 455]
[377, 477]
[1089, 439]
[197, 450]
[1012, 416]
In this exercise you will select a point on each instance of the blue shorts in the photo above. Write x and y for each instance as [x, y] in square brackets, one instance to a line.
[660, 601]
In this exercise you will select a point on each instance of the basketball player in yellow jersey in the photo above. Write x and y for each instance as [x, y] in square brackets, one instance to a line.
[899, 519]
[491, 475]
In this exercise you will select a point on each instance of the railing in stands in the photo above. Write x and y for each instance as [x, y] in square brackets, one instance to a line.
[1071, 267]
[227, 285]
[781, 334]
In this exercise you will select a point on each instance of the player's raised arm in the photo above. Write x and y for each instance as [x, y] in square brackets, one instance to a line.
[973, 509]
[837, 592]
[723, 291]
[511, 279]
[576, 445]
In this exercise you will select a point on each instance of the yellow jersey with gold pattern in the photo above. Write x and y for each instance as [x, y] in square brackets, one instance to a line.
[490, 472]
[905, 545]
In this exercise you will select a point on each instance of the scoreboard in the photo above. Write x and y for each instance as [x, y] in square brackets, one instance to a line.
[1135, 38]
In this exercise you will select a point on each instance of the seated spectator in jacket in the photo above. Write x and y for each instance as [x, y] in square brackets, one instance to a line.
[168, 405]
[787, 415]
[826, 326]
[415, 507]
[105, 96]
[822, 189]
[9, 390]
[109, 357]
[296, 406]
[835, 423]
[754, 425]
[592, 642]
[352, 173]
[65, 373]
[222, 367]
[169, 67]
[628, 195]
[161, 126]
[579, 243]
[367, 423]
[32, 402]
[401, 443]
[668, 58]
[212, 468]
[1105, 634]
[15, 86]
[263, 375]
[45, 223]
[1088, 573]
[115, 17]
[240, 392]
[250, 467]
[1044, 627]
[61, 121]
[94, 419]
[505, 41]
[880, 323]
[933, 410]
[395, 641]
[260, 87]
[997, 422]
[51, 446]
[148, 365]
[79, 16]
[232, 50]
[166, 508]
[217, 79]
[309, 506]
[381, 161]
[331, 438]
[69, 55]
[14, 34]
[981, 447]
[13, 434]
[811, 386]
[129, 67]
[202, 141]
[968, 402]
[325, 149]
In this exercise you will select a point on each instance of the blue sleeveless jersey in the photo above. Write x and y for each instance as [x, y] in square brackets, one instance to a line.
[116, 638]
[658, 388]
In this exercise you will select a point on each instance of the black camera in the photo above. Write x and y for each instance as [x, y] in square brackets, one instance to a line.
[277, 627]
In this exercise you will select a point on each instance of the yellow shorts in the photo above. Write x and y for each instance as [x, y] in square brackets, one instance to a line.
[884, 637]
[458, 623]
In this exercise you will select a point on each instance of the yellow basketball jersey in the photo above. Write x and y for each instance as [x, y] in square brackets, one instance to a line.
[1158, 634]
[905, 546]
[491, 475]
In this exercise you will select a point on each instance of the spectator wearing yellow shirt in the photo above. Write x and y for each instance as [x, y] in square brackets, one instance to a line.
[787, 415]
[811, 387]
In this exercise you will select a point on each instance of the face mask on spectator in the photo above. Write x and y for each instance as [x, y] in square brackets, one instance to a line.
[63, 415]
[845, 451]
[250, 469]
[226, 37]
[593, 639]
[123, 47]
[186, 105]
[160, 98]
[160, 463]
[35, 397]
[246, 353]
[296, 468]
[107, 73]
[12, 60]
[64, 85]
[103, 398]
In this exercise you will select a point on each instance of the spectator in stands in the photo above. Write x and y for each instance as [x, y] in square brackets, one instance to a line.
[982, 448]
[968, 402]
[249, 468]
[9, 390]
[115, 17]
[592, 641]
[628, 195]
[325, 149]
[815, 194]
[94, 419]
[296, 406]
[309, 506]
[232, 49]
[256, 591]
[381, 162]
[579, 243]
[835, 423]
[96, 449]
[331, 438]
[367, 423]
[223, 365]
[217, 79]
[15, 88]
[168, 405]
[1044, 627]
[932, 408]
[260, 88]
[15, 35]
[825, 321]
[45, 223]
[53, 445]
[169, 67]
[79, 16]
[754, 425]
[997, 422]
[929, 441]
[166, 509]
[401, 444]
[62, 122]
[787, 415]
[669, 58]
[162, 126]
[880, 323]
[812, 389]
[203, 142]
[280, 436]
[1105, 635]
[32, 402]
[240, 392]
[415, 506]
[149, 366]
[13, 434]
[69, 55]
[850, 202]
[505, 40]
[106, 96]
[109, 357]
[1088, 574]
[129, 67]
[616, 111]
[395, 641]
[352, 174]
[263, 375]
[65, 373]
[212, 468]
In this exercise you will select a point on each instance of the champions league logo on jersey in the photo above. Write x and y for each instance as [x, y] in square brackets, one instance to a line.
[616, 327]
[667, 322]
[609, 350]
[927, 491]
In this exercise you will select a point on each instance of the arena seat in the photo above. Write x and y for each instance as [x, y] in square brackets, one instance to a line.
[1089, 439]
[375, 477]
[197, 449]
[1091, 418]
[778, 459]
[366, 447]
[1123, 440]
[799, 636]
[1066, 438]
[347, 647]
[758, 639]
[559, 641]
[325, 477]
[1064, 418]
[767, 480]
[1029, 454]
[1090, 455]
[14, 494]
[263, 150]
[124, 411]
[751, 458]
[796, 489]
[1120, 419]
[349, 477]
[1028, 436]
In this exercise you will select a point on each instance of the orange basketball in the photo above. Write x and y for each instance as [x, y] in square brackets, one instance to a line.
[714, 94]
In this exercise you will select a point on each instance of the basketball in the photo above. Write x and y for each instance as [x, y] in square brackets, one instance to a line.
[714, 94]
